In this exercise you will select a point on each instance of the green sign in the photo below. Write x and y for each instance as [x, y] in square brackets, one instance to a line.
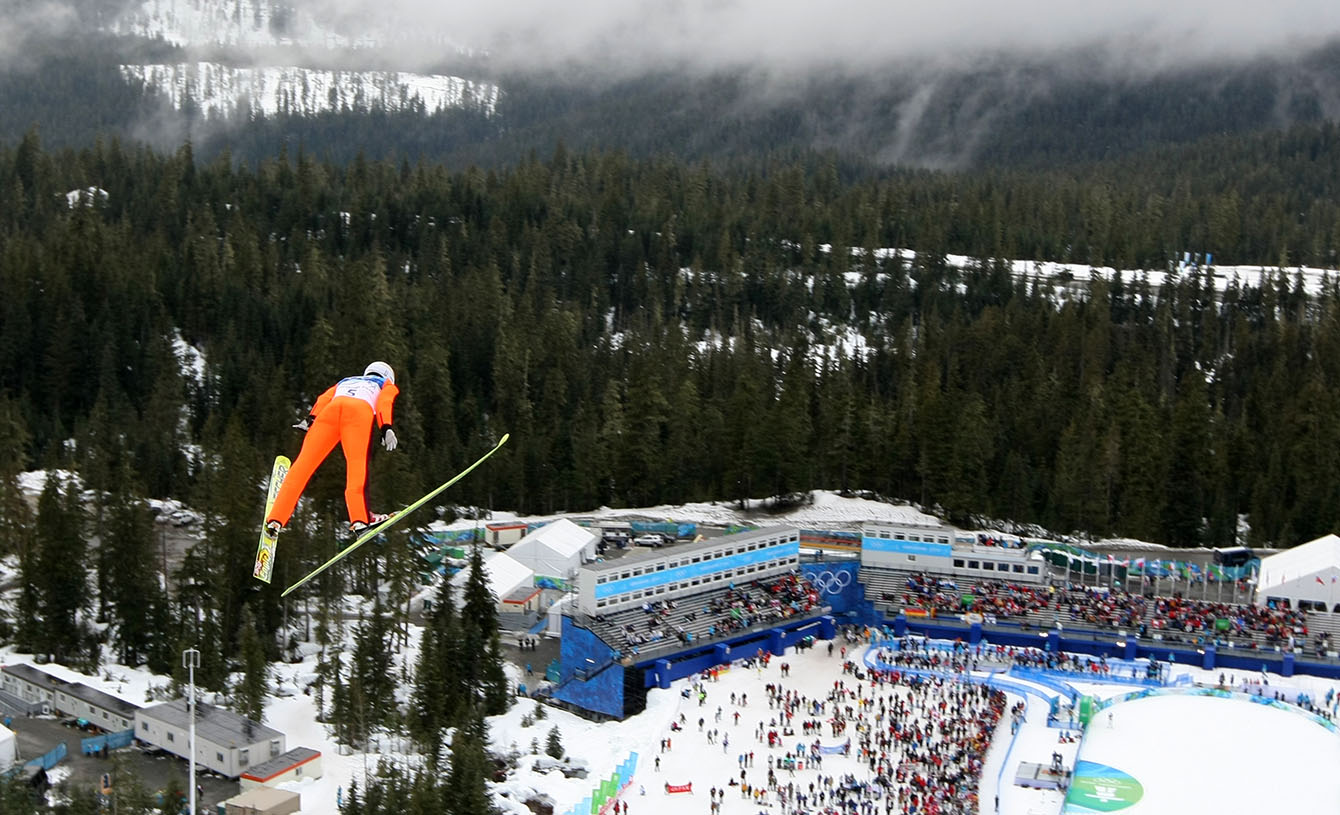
[1100, 788]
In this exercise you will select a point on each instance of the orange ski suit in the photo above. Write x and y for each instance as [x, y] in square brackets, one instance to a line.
[344, 414]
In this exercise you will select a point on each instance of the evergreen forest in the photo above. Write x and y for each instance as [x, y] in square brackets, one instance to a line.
[653, 332]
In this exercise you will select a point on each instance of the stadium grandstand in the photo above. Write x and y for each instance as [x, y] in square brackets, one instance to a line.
[643, 620]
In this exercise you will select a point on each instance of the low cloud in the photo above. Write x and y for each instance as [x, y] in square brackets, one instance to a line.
[860, 35]
[26, 23]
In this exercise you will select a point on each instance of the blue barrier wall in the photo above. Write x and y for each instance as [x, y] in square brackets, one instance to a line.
[50, 759]
[581, 653]
[1106, 644]
[671, 528]
[111, 741]
[837, 583]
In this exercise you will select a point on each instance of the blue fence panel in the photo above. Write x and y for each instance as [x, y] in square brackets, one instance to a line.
[51, 759]
[116, 741]
[92, 746]
[662, 527]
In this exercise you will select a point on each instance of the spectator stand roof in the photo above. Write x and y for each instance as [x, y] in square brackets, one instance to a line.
[1316, 562]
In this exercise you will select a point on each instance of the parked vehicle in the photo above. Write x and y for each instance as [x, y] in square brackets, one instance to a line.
[649, 539]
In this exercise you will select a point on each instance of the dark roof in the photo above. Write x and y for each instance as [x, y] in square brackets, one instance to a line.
[105, 701]
[521, 594]
[214, 724]
[78, 690]
[269, 769]
[29, 673]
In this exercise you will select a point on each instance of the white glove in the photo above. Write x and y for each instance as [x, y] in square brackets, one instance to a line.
[388, 439]
[303, 425]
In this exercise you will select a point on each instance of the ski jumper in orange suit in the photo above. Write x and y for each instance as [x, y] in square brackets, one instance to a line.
[344, 414]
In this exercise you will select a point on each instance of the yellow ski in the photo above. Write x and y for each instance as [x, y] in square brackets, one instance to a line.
[265, 552]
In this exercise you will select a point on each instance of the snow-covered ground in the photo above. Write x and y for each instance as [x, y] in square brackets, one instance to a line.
[1207, 754]
[1202, 736]
[1186, 753]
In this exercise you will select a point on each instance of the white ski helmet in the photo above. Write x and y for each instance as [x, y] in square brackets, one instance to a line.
[381, 369]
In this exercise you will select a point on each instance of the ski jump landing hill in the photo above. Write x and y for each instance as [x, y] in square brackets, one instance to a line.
[1167, 750]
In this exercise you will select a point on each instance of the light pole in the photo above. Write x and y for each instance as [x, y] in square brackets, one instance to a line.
[190, 660]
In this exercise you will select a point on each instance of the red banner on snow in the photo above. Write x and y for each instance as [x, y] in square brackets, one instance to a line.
[679, 787]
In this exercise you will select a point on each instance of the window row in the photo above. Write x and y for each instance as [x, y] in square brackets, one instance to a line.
[995, 566]
[897, 534]
[704, 581]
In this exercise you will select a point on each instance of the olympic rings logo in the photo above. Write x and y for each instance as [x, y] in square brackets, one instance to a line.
[829, 582]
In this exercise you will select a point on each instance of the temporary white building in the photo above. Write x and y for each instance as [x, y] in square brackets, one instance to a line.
[554, 620]
[506, 578]
[556, 550]
[1307, 576]
[8, 748]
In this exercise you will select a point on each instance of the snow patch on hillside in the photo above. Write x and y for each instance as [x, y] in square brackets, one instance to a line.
[1045, 271]
[827, 510]
[191, 359]
[219, 90]
[87, 197]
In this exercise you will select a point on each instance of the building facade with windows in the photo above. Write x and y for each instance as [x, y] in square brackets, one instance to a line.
[41, 692]
[225, 742]
[98, 708]
[680, 571]
[945, 551]
[30, 687]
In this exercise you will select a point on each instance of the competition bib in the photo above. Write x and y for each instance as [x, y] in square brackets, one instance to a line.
[366, 388]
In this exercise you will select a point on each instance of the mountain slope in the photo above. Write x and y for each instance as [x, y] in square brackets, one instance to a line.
[291, 70]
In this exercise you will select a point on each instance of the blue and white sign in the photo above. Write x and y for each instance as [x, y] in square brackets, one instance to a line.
[697, 570]
[903, 547]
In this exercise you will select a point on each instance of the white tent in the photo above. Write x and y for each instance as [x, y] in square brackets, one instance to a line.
[557, 549]
[1308, 574]
[505, 575]
[8, 748]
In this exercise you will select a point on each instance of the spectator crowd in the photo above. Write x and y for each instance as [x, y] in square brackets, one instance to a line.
[735, 609]
[1174, 617]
